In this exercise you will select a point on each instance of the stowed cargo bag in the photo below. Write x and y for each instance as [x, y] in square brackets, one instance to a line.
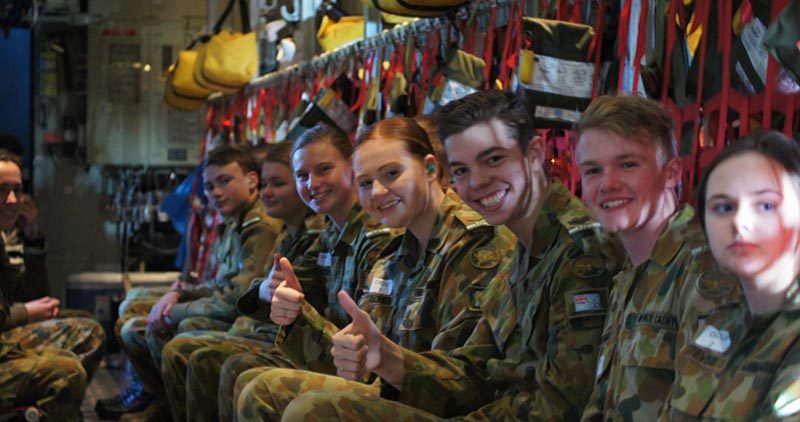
[183, 76]
[421, 8]
[783, 39]
[553, 74]
[180, 101]
[226, 60]
[332, 35]
[463, 75]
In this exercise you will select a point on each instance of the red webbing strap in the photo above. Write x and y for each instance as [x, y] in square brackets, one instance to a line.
[502, 73]
[269, 115]
[561, 10]
[725, 17]
[365, 82]
[640, 44]
[772, 70]
[395, 64]
[671, 37]
[577, 12]
[622, 42]
[701, 18]
[470, 34]
[428, 62]
[488, 49]
[596, 46]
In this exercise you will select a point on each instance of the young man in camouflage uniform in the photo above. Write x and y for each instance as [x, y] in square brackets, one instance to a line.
[532, 354]
[246, 239]
[49, 378]
[630, 171]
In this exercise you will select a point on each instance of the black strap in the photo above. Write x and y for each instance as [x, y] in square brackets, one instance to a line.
[244, 11]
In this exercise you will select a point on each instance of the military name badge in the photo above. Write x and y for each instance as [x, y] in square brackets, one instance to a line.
[788, 402]
[714, 284]
[588, 266]
[485, 258]
[714, 339]
[381, 286]
[324, 259]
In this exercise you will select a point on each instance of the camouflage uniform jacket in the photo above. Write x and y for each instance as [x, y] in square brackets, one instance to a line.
[653, 309]
[741, 366]
[430, 299]
[533, 351]
[240, 252]
[300, 248]
[347, 255]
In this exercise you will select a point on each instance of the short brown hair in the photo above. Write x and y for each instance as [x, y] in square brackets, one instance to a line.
[226, 154]
[429, 124]
[635, 118]
[325, 132]
[279, 153]
[402, 129]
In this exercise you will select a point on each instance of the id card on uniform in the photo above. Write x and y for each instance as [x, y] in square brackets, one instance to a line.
[381, 286]
[324, 259]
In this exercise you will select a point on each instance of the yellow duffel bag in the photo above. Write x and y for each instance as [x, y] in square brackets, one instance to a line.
[332, 35]
[180, 101]
[226, 61]
[419, 8]
[183, 76]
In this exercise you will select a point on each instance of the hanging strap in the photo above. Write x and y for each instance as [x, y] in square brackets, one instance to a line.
[244, 13]
[596, 47]
[772, 70]
[641, 40]
[725, 17]
[622, 42]
[671, 37]
[701, 19]
[577, 12]
[488, 48]
[508, 44]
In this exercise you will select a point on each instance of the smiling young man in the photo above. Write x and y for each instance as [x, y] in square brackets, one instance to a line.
[630, 171]
[532, 353]
[245, 241]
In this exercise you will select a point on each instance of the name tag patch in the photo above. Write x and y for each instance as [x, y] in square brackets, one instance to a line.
[587, 302]
[381, 286]
[324, 259]
[714, 339]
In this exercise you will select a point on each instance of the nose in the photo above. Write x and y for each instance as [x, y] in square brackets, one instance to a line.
[378, 189]
[12, 198]
[742, 221]
[314, 182]
[478, 179]
[609, 181]
[266, 192]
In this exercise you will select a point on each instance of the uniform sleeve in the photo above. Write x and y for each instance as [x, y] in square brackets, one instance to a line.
[17, 315]
[782, 401]
[36, 280]
[310, 338]
[257, 243]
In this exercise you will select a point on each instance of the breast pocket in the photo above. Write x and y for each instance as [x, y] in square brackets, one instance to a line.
[419, 310]
[380, 309]
[648, 360]
[697, 380]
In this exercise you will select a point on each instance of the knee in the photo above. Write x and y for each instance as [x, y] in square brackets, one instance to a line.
[311, 403]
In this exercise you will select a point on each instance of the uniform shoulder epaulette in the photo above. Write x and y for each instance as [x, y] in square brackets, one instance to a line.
[697, 250]
[576, 220]
[471, 219]
[250, 222]
[377, 232]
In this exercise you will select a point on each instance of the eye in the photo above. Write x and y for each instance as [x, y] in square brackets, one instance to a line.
[208, 187]
[629, 164]
[458, 171]
[325, 169]
[301, 177]
[591, 171]
[224, 181]
[722, 208]
[494, 160]
[766, 206]
[365, 184]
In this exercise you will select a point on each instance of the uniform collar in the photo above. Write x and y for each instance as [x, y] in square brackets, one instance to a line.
[679, 229]
[409, 246]
[351, 229]
[792, 303]
[549, 220]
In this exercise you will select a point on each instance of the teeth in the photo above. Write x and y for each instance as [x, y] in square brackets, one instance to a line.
[493, 199]
[388, 204]
[318, 195]
[615, 203]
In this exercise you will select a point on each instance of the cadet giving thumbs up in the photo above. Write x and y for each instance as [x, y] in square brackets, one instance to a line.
[356, 348]
[288, 297]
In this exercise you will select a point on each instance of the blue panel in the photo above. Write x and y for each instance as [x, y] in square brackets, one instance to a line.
[15, 86]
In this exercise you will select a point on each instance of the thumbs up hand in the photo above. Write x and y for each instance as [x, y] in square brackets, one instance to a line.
[357, 347]
[288, 297]
[273, 280]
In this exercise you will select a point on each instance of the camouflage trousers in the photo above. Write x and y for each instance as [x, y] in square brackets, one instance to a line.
[343, 405]
[138, 302]
[51, 379]
[82, 336]
[143, 347]
[262, 394]
[191, 367]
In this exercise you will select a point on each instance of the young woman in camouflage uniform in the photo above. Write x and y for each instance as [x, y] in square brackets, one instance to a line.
[192, 361]
[425, 294]
[744, 361]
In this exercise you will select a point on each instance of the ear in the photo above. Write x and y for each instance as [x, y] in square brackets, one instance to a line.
[252, 180]
[536, 152]
[431, 167]
[673, 170]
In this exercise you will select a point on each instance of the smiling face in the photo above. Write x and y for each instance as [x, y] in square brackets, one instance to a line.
[278, 192]
[324, 179]
[753, 216]
[229, 188]
[623, 182]
[393, 185]
[491, 173]
[10, 193]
